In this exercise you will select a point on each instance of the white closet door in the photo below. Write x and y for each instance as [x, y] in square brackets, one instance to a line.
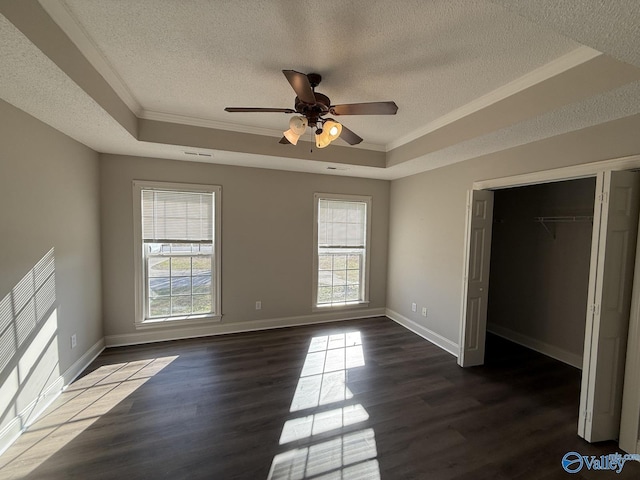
[610, 283]
[473, 325]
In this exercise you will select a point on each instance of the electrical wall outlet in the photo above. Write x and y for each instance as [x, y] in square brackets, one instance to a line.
[74, 341]
[424, 311]
[258, 305]
[414, 307]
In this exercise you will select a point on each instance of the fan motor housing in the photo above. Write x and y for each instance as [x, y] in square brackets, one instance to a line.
[313, 112]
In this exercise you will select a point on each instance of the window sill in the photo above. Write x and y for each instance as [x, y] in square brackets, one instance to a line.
[339, 306]
[178, 321]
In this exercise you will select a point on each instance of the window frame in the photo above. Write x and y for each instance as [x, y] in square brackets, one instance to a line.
[140, 274]
[367, 199]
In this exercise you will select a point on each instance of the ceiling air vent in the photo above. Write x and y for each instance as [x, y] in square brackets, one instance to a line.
[198, 154]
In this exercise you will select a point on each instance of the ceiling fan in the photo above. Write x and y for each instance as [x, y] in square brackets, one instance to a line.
[312, 108]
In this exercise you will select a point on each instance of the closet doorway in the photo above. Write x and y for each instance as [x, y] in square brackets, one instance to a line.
[539, 275]
[612, 253]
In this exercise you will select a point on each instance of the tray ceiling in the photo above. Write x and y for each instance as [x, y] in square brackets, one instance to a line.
[440, 61]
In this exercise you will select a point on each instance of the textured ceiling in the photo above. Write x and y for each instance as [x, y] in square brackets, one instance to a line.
[444, 62]
[610, 26]
[194, 58]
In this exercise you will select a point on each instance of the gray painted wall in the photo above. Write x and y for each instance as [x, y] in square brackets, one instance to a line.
[538, 283]
[267, 238]
[49, 259]
[427, 217]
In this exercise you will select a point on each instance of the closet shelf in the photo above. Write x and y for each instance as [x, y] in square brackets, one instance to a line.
[561, 219]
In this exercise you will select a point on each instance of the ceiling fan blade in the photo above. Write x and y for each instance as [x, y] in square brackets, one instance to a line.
[284, 141]
[349, 137]
[372, 108]
[259, 109]
[301, 85]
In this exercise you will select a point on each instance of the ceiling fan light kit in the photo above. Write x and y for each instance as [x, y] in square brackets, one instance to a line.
[312, 106]
[329, 132]
[297, 127]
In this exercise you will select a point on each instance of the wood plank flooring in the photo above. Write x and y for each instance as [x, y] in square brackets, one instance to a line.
[361, 399]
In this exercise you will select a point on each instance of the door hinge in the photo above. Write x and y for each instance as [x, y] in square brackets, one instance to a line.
[594, 308]
[603, 197]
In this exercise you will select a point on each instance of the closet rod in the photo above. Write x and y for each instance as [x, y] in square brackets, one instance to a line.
[569, 219]
[558, 219]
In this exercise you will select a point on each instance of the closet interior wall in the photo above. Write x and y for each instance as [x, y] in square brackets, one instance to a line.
[540, 258]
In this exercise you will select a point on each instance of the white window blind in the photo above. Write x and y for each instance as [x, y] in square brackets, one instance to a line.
[177, 217]
[341, 223]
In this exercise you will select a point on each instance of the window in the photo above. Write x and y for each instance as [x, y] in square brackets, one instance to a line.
[178, 252]
[341, 250]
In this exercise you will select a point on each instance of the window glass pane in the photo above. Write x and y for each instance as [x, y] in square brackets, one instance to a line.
[181, 305]
[339, 294]
[324, 261]
[339, 262]
[202, 284]
[202, 303]
[353, 262]
[180, 248]
[180, 266]
[324, 278]
[201, 266]
[180, 286]
[353, 293]
[153, 247]
[160, 307]
[339, 278]
[353, 277]
[324, 294]
[158, 267]
[159, 287]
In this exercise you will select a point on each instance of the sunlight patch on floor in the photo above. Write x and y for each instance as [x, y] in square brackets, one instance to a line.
[82, 404]
[325, 451]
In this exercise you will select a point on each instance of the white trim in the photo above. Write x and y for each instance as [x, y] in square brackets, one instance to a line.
[367, 200]
[66, 20]
[83, 362]
[138, 267]
[238, 327]
[178, 321]
[34, 409]
[433, 337]
[566, 62]
[539, 346]
[630, 419]
[572, 172]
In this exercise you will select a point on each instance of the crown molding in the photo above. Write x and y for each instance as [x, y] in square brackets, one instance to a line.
[60, 12]
[559, 65]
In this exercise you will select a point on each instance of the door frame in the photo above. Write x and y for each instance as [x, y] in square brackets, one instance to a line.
[630, 420]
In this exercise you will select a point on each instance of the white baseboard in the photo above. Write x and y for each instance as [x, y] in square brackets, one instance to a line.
[542, 347]
[83, 362]
[31, 412]
[435, 338]
[237, 327]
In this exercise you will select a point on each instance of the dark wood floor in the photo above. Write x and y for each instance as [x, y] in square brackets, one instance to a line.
[382, 404]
